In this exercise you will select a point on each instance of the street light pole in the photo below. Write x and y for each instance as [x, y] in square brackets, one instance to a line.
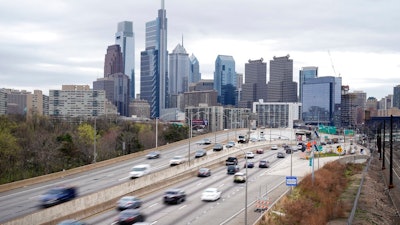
[245, 195]
[156, 132]
[94, 142]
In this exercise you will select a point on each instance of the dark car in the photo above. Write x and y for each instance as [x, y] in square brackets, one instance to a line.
[249, 165]
[174, 196]
[204, 172]
[153, 155]
[218, 147]
[280, 155]
[263, 164]
[58, 195]
[232, 169]
[200, 153]
[231, 161]
[128, 202]
[71, 222]
[129, 217]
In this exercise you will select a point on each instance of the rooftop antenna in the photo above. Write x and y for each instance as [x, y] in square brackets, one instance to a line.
[162, 4]
[333, 67]
[182, 40]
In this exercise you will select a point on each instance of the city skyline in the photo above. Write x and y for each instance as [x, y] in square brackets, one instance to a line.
[357, 40]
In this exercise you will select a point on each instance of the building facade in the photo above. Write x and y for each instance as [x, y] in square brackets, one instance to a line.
[276, 114]
[281, 87]
[396, 96]
[225, 81]
[195, 75]
[179, 70]
[113, 60]
[306, 73]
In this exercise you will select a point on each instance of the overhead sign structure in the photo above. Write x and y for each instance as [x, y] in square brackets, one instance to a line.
[291, 181]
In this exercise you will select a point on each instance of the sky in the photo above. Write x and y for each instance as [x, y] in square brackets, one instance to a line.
[47, 43]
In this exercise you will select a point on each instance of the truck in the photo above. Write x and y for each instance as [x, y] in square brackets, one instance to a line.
[242, 139]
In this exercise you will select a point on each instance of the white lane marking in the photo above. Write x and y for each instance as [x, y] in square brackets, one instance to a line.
[124, 178]
[182, 207]
[153, 205]
[220, 186]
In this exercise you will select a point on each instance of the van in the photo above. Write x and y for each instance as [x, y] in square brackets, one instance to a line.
[139, 170]
[232, 169]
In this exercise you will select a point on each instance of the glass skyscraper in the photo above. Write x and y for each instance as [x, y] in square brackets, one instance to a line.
[304, 74]
[125, 38]
[153, 65]
[195, 75]
[179, 69]
[225, 80]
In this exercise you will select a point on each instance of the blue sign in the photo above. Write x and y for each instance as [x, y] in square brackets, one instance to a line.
[291, 181]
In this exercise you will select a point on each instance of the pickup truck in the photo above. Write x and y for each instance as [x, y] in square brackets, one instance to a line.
[57, 195]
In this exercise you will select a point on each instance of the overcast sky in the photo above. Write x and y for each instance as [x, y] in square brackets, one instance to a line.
[47, 43]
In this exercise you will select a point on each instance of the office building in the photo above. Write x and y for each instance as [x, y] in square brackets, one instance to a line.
[396, 96]
[113, 61]
[225, 80]
[255, 85]
[179, 70]
[139, 109]
[153, 65]
[125, 38]
[281, 87]
[198, 98]
[3, 102]
[306, 73]
[202, 85]
[276, 114]
[195, 75]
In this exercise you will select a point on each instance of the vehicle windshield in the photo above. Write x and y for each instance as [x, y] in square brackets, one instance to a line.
[171, 192]
[203, 170]
[177, 157]
[138, 168]
[54, 191]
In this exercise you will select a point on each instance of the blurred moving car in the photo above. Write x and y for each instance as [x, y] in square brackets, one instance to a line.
[174, 196]
[211, 194]
[71, 222]
[263, 164]
[249, 165]
[153, 155]
[200, 153]
[128, 202]
[260, 151]
[206, 141]
[249, 155]
[204, 172]
[218, 147]
[280, 155]
[239, 177]
[231, 161]
[176, 160]
[129, 217]
[139, 170]
[58, 195]
[232, 169]
[230, 144]
[274, 147]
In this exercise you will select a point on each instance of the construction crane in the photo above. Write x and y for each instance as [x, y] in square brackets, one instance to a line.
[333, 67]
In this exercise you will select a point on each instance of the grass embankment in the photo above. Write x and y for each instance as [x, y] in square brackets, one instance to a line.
[315, 203]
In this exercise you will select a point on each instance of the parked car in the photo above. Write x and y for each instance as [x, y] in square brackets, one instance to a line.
[230, 144]
[263, 164]
[153, 155]
[200, 153]
[260, 151]
[218, 147]
[280, 155]
[274, 147]
[58, 195]
[128, 202]
[174, 196]
[239, 177]
[129, 217]
[204, 172]
[211, 194]
[232, 169]
[176, 160]
[139, 170]
[71, 222]
[249, 165]
[249, 155]
[231, 161]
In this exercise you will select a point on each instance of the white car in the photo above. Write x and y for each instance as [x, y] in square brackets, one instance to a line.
[139, 170]
[177, 160]
[249, 155]
[211, 194]
[274, 147]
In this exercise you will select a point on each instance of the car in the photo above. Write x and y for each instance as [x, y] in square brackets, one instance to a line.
[280, 155]
[254, 139]
[128, 202]
[58, 195]
[249, 165]
[263, 164]
[249, 155]
[274, 147]
[176, 160]
[153, 155]
[239, 177]
[200, 153]
[71, 222]
[206, 141]
[211, 194]
[129, 217]
[204, 172]
[218, 147]
[232, 169]
[174, 196]
[231, 161]
[295, 148]
[230, 144]
[260, 151]
[139, 170]
[289, 150]
[242, 139]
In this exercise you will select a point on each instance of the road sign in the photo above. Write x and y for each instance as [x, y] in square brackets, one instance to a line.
[291, 181]
[339, 149]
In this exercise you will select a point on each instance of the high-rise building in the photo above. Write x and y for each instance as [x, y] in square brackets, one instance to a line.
[255, 85]
[304, 74]
[179, 69]
[281, 87]
[225, 80]
[125, 38]
[3, 102]
[396, 96]
[322, 101]
[113, 62]
[195, 75]
[153, 65]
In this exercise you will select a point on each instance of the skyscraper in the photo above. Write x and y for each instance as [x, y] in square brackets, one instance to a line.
[396, 96]
[179, 69]
[153, 65]
[225, 80]
[281, 87]
[304, 74]
[125, 38]
[195, 75]
[255, 85]
[113, 62]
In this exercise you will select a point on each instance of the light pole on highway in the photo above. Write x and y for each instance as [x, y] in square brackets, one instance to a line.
[245, 194]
